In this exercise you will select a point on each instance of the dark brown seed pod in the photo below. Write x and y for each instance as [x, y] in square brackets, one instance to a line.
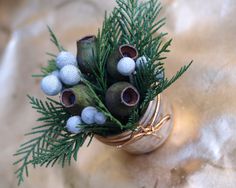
[125, 50]
[122, 98]
[87, 53]
[76, 98]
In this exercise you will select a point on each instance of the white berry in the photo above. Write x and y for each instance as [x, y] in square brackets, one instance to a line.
[51, 85]
[65, 58]
[126, 66]
[56, 73]
[100, 118]
[160, 75]
[141, 61]
[73, 123]
[88, 115]
[70, 75]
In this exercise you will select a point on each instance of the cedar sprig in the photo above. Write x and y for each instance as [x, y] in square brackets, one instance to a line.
[146, 75]
[159, 87]
[61, 150]
[101, 106]
[52, 122]
[107, 40]
[140, 25]
[55, 40]
[51, 66]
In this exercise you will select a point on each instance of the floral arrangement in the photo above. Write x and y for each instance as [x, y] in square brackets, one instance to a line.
[103, 90]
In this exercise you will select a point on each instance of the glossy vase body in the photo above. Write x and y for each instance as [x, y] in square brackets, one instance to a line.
[154, 128]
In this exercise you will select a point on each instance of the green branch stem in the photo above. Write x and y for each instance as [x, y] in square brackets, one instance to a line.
[101, 106]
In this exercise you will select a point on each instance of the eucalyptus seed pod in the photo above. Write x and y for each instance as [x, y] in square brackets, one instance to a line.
[121, 98]
[125, 50]
[87, 53]
[76, 98]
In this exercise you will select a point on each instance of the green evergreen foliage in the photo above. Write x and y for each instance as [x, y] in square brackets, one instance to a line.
[51, 66]
[101, 107]
[61, 149]
[131, 22]
[159, 86]
[52, 123]
[55, 41]
[137, 23]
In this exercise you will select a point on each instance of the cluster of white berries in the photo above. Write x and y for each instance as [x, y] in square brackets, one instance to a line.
[67, 73]
[89, 115]
[126, 66]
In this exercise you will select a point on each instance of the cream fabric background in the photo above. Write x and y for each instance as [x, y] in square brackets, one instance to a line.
[201, 151]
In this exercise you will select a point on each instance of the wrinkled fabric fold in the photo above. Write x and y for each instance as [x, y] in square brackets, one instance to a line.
[200, 152]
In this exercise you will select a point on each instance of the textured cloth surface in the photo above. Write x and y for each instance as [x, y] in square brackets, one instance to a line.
[201, 151]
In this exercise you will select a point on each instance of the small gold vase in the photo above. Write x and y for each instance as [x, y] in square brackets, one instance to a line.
[154, 128]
